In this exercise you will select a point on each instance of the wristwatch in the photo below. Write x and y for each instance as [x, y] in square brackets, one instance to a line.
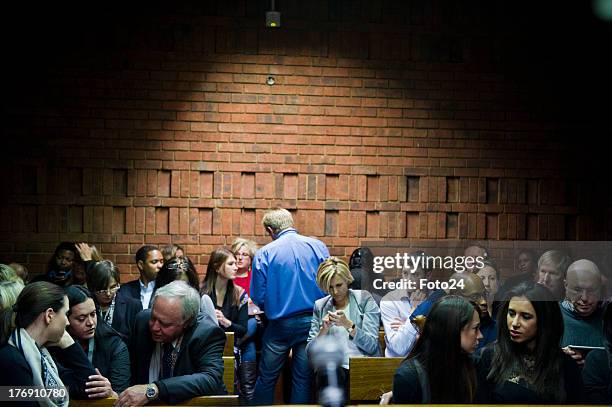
[351, 331]
[151, 391]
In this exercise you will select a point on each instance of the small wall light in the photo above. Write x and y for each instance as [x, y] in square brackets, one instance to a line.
[270, 80]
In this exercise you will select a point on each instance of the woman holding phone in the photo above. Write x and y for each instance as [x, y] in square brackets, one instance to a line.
[350, 316]
[526, 365]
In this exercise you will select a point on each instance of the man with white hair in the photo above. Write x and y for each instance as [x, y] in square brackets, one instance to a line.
[175, 355]
[284, 286]
[581, 309]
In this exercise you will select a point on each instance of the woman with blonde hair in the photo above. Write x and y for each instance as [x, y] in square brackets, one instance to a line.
[350, 316]
[9, 291]
[244, 250]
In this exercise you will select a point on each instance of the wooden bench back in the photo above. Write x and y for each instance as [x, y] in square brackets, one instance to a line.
[229, 344]
[371, 377]
[216, 401]
[228, 373]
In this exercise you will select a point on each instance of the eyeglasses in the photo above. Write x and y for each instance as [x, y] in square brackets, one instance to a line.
[242, 255]
[178, 264]
[109, 291]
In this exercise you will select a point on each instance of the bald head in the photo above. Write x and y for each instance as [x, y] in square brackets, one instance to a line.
[470, 287]
[583, 286]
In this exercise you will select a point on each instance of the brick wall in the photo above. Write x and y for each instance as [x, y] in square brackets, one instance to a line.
[388, 119]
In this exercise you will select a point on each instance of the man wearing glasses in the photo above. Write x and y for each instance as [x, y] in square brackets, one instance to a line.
[176, 354]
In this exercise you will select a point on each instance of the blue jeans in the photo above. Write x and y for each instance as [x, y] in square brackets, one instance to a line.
[280, 336]
[249, 352]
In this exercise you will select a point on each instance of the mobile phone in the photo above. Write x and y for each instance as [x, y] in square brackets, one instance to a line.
[587, 348]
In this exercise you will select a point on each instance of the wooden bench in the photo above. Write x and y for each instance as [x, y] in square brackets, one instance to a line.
[229, 344]
[230, 400]
[371, 377]
[228, 373]
[381, 341]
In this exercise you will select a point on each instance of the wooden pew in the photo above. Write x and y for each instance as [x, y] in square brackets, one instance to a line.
[229, 344]
[371, 377]
[220, 401]
[228, 373]
[381, 341]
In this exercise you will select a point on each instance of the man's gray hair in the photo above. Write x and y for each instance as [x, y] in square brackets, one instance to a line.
[188, 295]
[278, 219]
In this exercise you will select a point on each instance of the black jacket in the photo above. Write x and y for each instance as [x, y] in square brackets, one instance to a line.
[72, 365]
[111, 357]
[124, 314]
[489, 392]
[131, 290]
[199, 367]
[597, 376]
[238, 314]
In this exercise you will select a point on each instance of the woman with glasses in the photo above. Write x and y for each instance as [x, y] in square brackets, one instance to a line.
[117, 310]
[244, 250]
[102, 344]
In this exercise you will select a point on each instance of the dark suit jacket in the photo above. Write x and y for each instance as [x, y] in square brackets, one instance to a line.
[199, 366]
[125, 312]
[72, 365]
[132, 290]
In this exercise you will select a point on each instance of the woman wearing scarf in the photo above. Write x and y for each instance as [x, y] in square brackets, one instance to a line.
[35, 322]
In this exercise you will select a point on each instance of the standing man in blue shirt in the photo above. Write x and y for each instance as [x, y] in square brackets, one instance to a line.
[284, 286]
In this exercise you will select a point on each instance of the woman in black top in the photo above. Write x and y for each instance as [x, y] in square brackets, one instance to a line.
[230, 300]
[102, 344]
[439, 368]
[526, 364]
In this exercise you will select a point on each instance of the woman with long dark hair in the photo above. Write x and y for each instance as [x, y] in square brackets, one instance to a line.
[439, 368]
[182, 268]
[526, 364]
[103, 345]
[38, 321]
[177, 268]
[230, 301]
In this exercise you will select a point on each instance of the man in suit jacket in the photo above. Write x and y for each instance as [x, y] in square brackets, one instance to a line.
[175, 355]
[149, 261]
